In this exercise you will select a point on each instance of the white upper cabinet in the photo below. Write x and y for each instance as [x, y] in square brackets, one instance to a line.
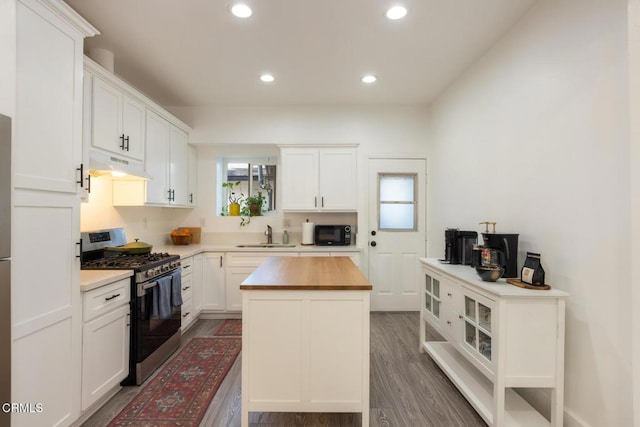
[338, 179]
[319, 178]
[178, 171]
[157, 159]
[165, 162]
[192, 184]
[118, 121]
[48, 155]
[124, 125]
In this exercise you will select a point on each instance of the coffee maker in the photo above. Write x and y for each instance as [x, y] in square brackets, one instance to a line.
[459, 245]
[508, 245]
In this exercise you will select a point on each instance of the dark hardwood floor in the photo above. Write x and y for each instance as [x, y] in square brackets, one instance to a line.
[407, 387]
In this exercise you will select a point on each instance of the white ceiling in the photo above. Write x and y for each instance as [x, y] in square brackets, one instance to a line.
[195, 53]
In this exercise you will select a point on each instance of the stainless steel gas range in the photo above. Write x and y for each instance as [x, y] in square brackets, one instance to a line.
[154, 335]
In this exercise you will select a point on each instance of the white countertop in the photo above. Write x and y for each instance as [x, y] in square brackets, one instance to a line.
[499, 287]
[194, 249]
[92, 279]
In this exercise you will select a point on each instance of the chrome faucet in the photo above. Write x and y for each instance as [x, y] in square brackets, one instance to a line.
[269, 234]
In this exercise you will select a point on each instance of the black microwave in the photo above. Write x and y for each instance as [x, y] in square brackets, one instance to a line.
[332, 235]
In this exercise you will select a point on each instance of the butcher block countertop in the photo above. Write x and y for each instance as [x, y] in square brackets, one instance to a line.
[307, 273]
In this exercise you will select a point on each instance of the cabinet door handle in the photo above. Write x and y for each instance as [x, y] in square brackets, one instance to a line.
[173, 195]
[88, 183]
[186, 314]
[122, 144]
[185, 266]
[459, 316]
[315, 202]
[169, 195]
[220, 260]
[81, 170]
[127, 139]
[449, 294]
[322, 202]
[112, 297]
[190, 197]
[184, 289]
[449, 322]
[79, 244]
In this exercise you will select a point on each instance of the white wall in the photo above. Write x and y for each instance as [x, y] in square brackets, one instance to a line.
[536, 137]
[149, 224]
[225, 130]
[8, 55]
[634, 160]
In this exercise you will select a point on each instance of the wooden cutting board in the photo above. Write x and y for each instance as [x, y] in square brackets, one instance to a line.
[521, 284]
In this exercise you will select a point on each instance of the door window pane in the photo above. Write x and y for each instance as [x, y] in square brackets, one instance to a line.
[396, 189]
[397, 202]
[396, 217]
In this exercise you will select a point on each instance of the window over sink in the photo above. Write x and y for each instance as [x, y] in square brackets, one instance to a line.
[256, 176]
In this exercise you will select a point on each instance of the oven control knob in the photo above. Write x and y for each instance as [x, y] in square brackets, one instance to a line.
[147, 273]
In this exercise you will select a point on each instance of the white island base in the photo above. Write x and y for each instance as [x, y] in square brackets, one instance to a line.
[304, 348]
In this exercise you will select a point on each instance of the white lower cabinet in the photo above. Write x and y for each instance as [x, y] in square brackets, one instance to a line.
[222, 274]
[355, 256]
[105, 340]
[239, 266]
[213, 290]
[187, 293]
[497, 337]
[198, 296]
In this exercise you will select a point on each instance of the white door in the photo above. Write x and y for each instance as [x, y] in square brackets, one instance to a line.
[396, 233]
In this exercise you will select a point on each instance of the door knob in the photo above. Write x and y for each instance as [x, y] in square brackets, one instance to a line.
[373, 243]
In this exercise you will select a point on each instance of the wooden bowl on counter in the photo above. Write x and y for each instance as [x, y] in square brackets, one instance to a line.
[181, 239]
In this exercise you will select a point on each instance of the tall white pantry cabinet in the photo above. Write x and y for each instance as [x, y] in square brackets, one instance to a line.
[49, 180]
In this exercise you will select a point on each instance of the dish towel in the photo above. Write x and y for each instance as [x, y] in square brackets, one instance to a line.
[162, 295]
[176, 288]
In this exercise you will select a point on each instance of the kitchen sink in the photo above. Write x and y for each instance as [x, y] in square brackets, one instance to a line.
[265, 245]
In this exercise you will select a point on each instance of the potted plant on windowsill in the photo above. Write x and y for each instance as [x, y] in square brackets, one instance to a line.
[234, 198]
[251, 206]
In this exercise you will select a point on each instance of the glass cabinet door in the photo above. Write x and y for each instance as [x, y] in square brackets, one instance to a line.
[436, 298]
[432, 298]
[477, 326]
[427, 292]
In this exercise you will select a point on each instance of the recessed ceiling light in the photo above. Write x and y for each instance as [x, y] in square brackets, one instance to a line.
[241, 10]
[396, 12]
[267, 78]
[369, 78]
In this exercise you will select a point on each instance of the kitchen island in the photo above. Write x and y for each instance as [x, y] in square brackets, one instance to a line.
[305, 337]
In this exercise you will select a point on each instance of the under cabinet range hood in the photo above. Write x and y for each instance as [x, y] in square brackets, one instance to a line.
[101, 163]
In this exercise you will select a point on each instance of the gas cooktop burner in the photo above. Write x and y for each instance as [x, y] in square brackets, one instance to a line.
[128, 261]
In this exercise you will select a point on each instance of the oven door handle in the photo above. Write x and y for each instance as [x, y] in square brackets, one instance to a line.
[143, 288]
[149, 285]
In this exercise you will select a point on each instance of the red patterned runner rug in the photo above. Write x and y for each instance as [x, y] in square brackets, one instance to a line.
[181, 392]
[229, 327]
